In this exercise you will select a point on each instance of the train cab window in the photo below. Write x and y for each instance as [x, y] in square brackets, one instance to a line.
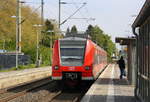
[72, 56]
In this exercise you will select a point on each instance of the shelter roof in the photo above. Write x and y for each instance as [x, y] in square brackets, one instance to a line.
[124, 41]
[143, 15]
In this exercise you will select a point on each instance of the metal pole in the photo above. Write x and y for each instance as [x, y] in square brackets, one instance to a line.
[59, 18]
[51, 47]
[42, 12]
[136, 91]
[17, 32]
[20, 33]
[137, 66]
[42, 23]
[37, 43]
[37, 49]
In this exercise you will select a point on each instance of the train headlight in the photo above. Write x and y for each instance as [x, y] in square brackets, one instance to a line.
[56, 67]
[87, 68]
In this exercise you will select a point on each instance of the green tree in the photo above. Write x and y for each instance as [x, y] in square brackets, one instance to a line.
[90, 30]
[74, 30]
[48, 33]
[29, 32]
[68, 31]
[101, 39]
[48, 25]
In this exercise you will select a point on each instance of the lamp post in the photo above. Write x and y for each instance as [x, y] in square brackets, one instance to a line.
[18, 31]
[51, 42]
[37, 44]
[18, 26]
[50, 31]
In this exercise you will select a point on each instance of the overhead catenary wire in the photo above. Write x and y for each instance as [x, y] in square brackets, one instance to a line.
[54, 8]
[83, 16]
[79, 11]
[87, 11]
[73, 13]
[29, 15]
[65, 11]
[77, 8]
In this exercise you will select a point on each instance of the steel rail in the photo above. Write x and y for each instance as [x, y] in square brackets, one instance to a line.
[21, 84]
[76, 99]
[56, 95]
[21, 93]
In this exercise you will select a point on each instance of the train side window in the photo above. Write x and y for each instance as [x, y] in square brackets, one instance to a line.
[95, 61]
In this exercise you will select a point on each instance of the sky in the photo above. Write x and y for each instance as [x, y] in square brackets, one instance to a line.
[114, 17]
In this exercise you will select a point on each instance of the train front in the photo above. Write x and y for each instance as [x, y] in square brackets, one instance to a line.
[69, 58]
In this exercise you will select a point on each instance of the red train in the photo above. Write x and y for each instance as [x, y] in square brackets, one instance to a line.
[77, 58]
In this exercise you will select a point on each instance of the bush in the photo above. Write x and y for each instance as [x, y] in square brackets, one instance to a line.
[45, 54]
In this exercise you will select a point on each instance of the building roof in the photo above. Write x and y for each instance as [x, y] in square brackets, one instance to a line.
[143, 15]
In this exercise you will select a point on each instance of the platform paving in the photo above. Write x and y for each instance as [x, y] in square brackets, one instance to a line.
[109, 88]
[12, 78]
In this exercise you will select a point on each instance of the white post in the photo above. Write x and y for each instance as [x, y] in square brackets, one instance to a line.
[37, 49]
[17, 32]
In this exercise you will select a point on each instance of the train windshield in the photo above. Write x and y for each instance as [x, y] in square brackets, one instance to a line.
[72, 56]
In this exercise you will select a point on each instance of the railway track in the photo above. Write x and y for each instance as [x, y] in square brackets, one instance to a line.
[66, 95]
[44, 90]
[62, 97]
[20, 90]
[57, 93]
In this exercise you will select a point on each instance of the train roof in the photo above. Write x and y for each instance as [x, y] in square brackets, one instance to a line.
[79, 41]
[73, 38]
[79, 35]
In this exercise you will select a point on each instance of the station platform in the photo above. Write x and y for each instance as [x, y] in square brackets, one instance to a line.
[109, 88]
[12, 78]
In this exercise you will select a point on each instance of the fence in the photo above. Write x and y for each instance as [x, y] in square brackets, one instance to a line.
[9, 60]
